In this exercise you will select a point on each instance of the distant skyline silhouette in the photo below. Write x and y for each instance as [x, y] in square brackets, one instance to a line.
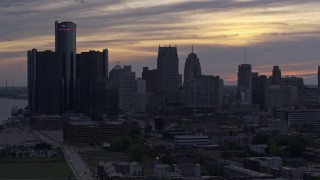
[283, 33]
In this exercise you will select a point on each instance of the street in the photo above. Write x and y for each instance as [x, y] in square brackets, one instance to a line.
[79, 168]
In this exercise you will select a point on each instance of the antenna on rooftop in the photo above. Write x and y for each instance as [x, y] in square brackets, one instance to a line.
[245, 55]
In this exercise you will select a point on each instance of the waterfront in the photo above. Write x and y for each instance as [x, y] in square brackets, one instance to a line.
[6, 106]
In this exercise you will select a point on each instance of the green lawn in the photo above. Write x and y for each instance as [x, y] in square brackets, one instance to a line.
[43, 170]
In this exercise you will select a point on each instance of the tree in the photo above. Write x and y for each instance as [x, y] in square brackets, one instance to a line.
[136, 152]
[121, 143]
[135, 130]
[259, 139]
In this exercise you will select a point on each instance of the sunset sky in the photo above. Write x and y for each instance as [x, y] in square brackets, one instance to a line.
[274, 32]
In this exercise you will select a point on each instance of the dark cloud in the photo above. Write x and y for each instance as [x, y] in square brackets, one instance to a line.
[23, 19]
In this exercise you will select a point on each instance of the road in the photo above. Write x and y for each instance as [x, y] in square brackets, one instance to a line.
[79, 168]
[77, 164]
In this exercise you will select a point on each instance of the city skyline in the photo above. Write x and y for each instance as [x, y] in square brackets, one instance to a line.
[274, 33]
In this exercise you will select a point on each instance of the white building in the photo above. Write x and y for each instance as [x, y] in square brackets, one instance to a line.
[190, 140]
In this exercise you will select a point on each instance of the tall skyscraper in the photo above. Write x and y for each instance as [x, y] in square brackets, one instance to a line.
[319, 78]
[199, 92]
[192, 67]
[203, 91]
[93, 78]
[276, 75]
[218, 92]
[168, 76]
[244, 94]
[150, 76]
[259, 85]
[140, 96]
[65, 43]
[127, 88]
[45, 82]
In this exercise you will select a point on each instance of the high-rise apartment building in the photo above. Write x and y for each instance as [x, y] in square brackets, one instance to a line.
[168, 77]
[192, 67]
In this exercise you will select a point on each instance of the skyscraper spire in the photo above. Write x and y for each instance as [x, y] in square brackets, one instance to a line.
[192, 49]
[245, 55]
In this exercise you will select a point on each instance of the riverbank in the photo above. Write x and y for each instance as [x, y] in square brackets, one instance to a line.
[6, 106]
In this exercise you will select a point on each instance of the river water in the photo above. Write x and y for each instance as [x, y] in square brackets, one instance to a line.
[7, 104]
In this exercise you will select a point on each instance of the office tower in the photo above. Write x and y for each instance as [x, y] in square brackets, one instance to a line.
[289, 94]
[45, 82]
[318, 78]
[255, 88]
[199, 92]
[276, 75]
[218, 93]
[244, 94]
[192, 67]
[168, 76]
[93, 77]
[65, 43]
[293, 81]
[114, 74]
[150, 76]
[140, 96]
[127, 88]
[141, 85]
[280, 96]
[259, 84]
[273, 97]
[113, 86]
[179, 80]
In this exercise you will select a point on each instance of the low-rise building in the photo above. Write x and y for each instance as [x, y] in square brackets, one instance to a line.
[47, 122]
[190, 140]
[121, 170]
[298, 117]
[94, 132]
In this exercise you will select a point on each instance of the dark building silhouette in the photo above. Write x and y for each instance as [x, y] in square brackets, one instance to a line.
[218, 92]
[93, 78]
[150, 76]
[123, 80]
[127, 88]
[244, 94]
[276, 75]
[192, 67]
[259, 85]
[293, 81]
[113, 86]
[65, 43]
[45, 82]
[203, 91]
[168, 77]
[319, 79]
